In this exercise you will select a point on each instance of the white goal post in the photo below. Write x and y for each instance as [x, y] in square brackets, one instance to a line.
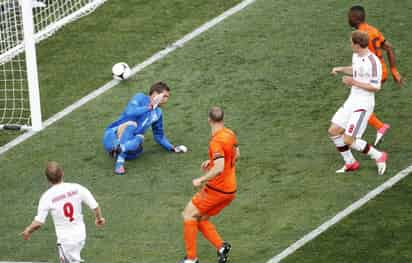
[23, 23]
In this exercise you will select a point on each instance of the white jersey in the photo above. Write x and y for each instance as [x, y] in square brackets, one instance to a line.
[365, 69]
[64, 201]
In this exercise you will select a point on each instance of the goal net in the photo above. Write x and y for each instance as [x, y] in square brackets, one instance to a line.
[23, 23]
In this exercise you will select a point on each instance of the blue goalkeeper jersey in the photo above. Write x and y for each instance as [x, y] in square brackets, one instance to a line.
[138, 110]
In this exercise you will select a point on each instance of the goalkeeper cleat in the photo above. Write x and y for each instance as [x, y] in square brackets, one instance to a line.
[185, 260]
[223, 252]
[381, 132]
[349, 167]
[119, 169]
[381, 163]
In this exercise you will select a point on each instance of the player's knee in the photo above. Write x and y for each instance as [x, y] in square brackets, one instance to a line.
[348, 140]
[334, 130]
[130, 123]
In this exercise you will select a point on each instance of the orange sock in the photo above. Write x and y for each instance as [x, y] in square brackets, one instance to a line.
[190, 235]
[375, 122]
[210, 233]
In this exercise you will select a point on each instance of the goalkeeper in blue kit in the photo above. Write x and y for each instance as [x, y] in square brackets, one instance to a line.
[123, 139]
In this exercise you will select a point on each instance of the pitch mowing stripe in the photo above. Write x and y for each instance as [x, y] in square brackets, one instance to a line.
[341, 215]
[156, 57]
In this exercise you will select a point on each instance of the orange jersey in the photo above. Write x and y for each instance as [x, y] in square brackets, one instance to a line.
[376, 40]
[223, 144]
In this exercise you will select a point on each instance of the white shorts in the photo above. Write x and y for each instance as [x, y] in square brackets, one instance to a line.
[70, 252]
[353, 120]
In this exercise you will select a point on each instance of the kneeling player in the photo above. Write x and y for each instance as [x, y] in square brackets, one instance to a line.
[219, 191]
[350, 121]
[123, 139]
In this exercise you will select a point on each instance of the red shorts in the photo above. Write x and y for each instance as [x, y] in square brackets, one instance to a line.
[210, 202]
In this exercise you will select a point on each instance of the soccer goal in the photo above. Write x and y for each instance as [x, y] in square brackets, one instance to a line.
[23, 23]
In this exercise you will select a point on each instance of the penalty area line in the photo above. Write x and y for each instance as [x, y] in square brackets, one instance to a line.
[154, 58]
[341, 215]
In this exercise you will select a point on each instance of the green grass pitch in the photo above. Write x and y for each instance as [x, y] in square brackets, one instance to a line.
[268, 66]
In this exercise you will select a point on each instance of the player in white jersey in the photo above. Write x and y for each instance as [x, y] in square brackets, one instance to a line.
[64, 202]
[350, 121]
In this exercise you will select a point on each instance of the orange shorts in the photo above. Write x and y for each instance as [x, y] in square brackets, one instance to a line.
[211, 202]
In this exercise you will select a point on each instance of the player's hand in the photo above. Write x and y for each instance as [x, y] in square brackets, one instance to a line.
[156, 100]
[335, 71]
[26, 235]
[347, 80]
[205, 165]
[100, 222]
[197, 182]
[180, 149]
[397, 76]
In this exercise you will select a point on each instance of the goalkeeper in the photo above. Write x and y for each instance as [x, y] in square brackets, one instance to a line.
[123, 138]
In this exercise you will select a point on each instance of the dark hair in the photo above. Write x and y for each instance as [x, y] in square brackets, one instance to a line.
[54, 172]
[360, 11]
[360, 38]
[216, 114]
[158, 87]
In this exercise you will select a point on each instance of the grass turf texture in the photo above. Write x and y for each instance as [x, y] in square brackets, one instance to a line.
[377, 233]
[269, 67]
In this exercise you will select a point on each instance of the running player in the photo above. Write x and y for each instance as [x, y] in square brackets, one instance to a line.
[217, 193]
[377, 42]
[64, 202]
[123, 139]
[350, 121]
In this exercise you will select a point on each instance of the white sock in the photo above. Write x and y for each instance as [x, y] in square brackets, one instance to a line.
[363, 146]
[374, 153]
[359, 145]
[340, 145]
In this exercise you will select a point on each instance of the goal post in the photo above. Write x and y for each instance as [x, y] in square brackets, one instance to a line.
[24, 23]
[31, 64]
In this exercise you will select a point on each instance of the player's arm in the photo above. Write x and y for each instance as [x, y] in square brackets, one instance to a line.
[99, 219]
[35, 225]
[392, 62]
[91, 202]
[159, 136]
[39, 220]
[345, 70]
[347, 80]
[218, 167]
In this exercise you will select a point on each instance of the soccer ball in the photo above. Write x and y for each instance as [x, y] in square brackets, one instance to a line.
[120, 71]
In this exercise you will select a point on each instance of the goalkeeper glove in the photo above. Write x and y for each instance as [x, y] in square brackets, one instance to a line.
[180, 149]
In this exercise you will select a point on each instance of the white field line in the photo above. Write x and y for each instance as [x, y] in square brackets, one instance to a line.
[341, 215]
[156, 57]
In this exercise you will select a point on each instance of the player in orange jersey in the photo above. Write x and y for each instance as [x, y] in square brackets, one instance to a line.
[377, 42]
[218, 190]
